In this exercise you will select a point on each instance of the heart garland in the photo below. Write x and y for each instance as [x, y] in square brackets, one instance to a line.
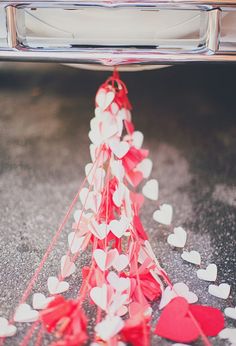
[123, 277]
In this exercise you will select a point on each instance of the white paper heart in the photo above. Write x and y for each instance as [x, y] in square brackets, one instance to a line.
[120, 262]
[75, 242]
[109, 327]
[24, 313]
[67, 267]
[40, 302]
[178, 238]
[119, 284]
[118, 227]
[6, 329]
[99, 296]
[105, 260]
[90, 199]
[150, 189]
[118, 195]
[104, 98]
[230, 312]
[100, 231]
[164, 214]
[55, 286]
[228, 333]
[208, 274]
[95, 176]
[137, 139]
[192, 257]
[145, 167]
[120, 149]
[179, 289]
[222, 291]
[117, 169]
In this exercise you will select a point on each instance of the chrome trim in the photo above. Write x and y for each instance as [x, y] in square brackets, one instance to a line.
[17, 51]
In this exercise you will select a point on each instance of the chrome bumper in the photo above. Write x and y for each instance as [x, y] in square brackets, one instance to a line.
[208, 43]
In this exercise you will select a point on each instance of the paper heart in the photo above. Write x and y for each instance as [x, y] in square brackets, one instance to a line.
[137, 139]
[211, 320]
[99, 296]
[117, 169]
[104, 98]
[118, 195]
[109, 327]
[6, 329]
[117, 304]
[191, 257]
[145, 167]
[164, 214]
[95, 176]
[55, 286]
[118, 227]
[179, 289]
[230, 312]
[99, 230]
[67, 267]
[175, 324]
[75, 242]
[150, 189]
[120, 149]
[178, 238]
[119, 284]
[105, 260]
[40, 302]
[222, 291]
[121, 262]
[110, 126]
[24, 313]
[208, 274]
[228, 333]
[176, 321]
[90, 199]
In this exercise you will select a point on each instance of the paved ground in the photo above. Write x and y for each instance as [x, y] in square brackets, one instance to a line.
[188, 115]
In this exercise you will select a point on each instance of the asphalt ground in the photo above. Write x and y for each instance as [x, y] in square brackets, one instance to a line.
[188, 116]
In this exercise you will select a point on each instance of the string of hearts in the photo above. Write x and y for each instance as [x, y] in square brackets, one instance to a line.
[123, 277]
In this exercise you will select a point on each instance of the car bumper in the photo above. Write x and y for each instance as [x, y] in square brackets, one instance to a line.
[118, 33]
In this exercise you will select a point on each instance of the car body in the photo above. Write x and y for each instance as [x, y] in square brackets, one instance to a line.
[129, 33]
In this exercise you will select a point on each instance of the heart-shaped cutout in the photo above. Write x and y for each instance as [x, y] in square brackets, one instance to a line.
[208, 274]
[120, 262]
[99, 296]
[109, 327]
[145, 167]
[179, 289]
[67, 267]
[55, 286]
[99, 230]
[230, 312]
[119, 227]
[193, 257]
[24, 313]
[164, 214]
[6, 329]
[104, 259]
[120, 149]
[40, 302]
[119, 284]
[75, 242]
[178, 238]
[222, 291]
[150, 189]
[104, 98]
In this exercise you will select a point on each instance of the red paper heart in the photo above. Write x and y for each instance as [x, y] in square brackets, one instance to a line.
[174, 323]
[211, 320]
